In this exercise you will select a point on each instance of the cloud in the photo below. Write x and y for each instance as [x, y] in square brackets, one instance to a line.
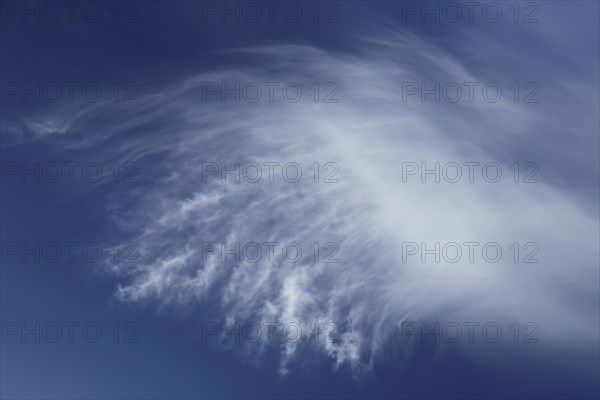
[368, 214]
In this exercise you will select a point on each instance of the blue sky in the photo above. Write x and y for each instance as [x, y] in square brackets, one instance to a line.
[149, 155]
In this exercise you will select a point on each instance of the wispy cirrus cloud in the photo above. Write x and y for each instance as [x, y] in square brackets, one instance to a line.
[369, 213]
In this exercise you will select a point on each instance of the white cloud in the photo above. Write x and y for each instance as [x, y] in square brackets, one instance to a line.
[369, 213]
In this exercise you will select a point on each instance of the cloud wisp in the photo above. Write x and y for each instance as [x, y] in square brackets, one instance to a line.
[367, 211]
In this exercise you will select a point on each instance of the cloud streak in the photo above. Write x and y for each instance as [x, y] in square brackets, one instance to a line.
[369, 213]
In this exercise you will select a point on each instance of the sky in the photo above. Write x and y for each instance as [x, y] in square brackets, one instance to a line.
[329, 199]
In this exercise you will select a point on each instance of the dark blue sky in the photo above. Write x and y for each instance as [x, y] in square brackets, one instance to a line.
[156, 55]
